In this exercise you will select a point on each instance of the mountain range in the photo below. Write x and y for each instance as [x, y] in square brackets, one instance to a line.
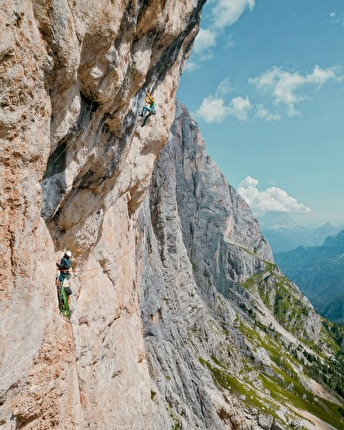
[318, 272]
[283, 234]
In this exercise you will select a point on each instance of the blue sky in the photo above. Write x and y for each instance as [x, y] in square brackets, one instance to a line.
[265, 82]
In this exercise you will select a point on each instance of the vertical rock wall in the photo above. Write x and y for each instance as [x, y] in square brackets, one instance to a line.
[75, 165]
[192, 253]
[201, 245]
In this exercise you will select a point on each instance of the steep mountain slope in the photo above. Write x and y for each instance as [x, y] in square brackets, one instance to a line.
[231, 343]
[318, 271]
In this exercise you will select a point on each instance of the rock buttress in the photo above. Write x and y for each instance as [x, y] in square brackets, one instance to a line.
[211, 336]
[75, 165]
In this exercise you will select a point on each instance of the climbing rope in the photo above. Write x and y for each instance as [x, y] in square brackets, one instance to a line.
[137, 242]
[54, 161]
[81, 396]
[68, 143]
[78, 378]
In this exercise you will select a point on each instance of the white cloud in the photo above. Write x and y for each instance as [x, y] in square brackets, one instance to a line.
[239, 108]
[230, 42]
[337, 19]
[223, 88]
[191, 66]
[272, 199]
[205, 40]
[320, 76]
[285, 86]
[214, 109]
[224, 14]
[227, 12]
[265, 114]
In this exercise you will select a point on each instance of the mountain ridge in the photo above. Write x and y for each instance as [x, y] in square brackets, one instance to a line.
[285, 235]
[318, 273]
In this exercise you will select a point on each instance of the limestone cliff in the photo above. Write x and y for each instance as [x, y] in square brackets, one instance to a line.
[180, 319]
[75, 165]
[230, 342]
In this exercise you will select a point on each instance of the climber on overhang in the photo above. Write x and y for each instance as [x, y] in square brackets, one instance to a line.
[151, 109]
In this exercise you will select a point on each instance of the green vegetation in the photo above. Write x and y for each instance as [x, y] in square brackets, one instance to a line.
[287, 307]
[323, 360]
[331, 370]
[303, 399]
[176, 421]
[251, 282]
[271, 346]
[282, 360]
[281, 297]
[224, 380]
[283, 383]
[270, 267]
[282, 386]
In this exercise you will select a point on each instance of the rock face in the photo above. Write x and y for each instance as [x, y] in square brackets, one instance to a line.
[192, 253]
[180, 319]
[213, 303]
[75, 165]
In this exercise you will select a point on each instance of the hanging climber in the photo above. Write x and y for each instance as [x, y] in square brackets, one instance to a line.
[64, 268]
[151, 109]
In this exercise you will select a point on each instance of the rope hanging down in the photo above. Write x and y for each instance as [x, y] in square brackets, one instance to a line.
[137, 242]
[81, 396]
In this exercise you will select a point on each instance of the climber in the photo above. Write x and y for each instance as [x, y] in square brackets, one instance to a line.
[64, 268]
[64, 292]
[151, 109]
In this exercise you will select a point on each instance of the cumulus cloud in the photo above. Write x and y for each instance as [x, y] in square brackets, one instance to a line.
[263, 113]
[205, 40]
[227, 12]
[224, 14]
[271, 199]
[285, 87]
[337, 19]
[214, 109]
[223, 88]
[191, 66]
[239, 108]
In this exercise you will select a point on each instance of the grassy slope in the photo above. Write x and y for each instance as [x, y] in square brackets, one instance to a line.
[282, 382]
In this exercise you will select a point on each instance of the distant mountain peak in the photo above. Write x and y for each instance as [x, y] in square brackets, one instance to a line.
[275, 220]
[318, 272]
